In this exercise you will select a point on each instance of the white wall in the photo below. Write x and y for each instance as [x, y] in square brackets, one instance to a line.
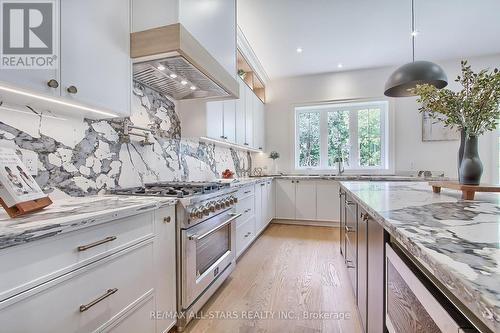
[410, 152]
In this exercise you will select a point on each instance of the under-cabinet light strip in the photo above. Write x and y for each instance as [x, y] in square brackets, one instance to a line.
[227, 144]
[56, 101]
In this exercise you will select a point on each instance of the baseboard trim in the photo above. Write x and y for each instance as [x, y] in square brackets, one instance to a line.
[311, 223]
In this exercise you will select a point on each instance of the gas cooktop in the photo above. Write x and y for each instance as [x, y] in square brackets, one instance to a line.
[173, 189]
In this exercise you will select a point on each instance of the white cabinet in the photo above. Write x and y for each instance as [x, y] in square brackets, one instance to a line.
[215, 120]
[313, 200]
[125, 272]
[165, 271]
[221, 122]
[94, 66]
[258, 123]
[327, 202]
[229, 125]
[305, 200]
[249, 105]
[285, 199]
[95, 53]
[238, 121]
[240, 114]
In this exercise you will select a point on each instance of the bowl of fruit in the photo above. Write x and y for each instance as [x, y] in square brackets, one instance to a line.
[227, 174]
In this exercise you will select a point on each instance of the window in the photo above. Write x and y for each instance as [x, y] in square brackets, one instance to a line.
[355, 133]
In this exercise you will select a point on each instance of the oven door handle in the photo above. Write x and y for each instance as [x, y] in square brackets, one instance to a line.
[234, 216]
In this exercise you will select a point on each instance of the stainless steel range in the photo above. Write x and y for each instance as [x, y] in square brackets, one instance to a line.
[206, 249]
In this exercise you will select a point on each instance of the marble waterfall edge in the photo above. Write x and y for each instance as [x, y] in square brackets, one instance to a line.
[99, 161]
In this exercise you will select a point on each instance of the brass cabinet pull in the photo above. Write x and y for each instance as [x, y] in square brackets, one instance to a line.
[263, 184]
[350, 203]
[53, 83]
[72, 90]
[91, 245]
[246, 192]
[365, 217]
[108, 293]
[167, 219]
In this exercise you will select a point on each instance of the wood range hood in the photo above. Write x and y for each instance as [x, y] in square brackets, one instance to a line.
[171, 61]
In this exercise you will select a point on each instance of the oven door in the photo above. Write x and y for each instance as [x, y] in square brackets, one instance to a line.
[207, 250]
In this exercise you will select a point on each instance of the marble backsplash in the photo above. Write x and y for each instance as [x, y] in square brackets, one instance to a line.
[82, 157]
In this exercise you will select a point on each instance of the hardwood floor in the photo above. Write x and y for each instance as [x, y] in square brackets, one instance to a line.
[290, 275]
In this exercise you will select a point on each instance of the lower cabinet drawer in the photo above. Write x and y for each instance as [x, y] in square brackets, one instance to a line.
[245, 233]
[245, 207]
[411, 307]
[136, 320]
[38, 262]
[86, 299]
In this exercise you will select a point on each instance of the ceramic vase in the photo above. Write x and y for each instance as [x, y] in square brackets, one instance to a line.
[471, 167]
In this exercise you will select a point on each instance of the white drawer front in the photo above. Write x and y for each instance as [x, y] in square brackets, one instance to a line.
[244, 235]
[57, 306]
[245, 191]
[40, 261]
[135, 320]
[246, 208]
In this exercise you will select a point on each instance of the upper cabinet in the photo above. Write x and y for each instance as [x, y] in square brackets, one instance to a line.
[93, 69]
[238, 121]
[95, 58]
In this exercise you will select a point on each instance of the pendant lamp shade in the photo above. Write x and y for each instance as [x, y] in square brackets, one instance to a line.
[409, 75]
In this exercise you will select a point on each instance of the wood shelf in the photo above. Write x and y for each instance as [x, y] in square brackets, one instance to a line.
[251, 79]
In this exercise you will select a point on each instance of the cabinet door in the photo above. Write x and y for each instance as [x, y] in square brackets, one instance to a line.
[165, 273]
[376, 243]
[249, 102]
[258, 123]
[95, 53]
[240, 113]
[285, 199]
[327, 205]
[37, 79]
[265, 205]
[215, 119]
[272, 199]
[342, 221]
[230, 120]
[305, 200]
[259, 216]
[363, 267]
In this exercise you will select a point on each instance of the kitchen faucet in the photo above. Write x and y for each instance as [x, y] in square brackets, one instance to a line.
[340, 164]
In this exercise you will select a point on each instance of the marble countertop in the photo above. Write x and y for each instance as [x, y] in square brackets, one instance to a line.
[71, 214]
[457, 241]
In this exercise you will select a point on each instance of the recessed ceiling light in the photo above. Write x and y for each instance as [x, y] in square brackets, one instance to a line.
[173, 75]
[161, 67]
[184, 82]
[299, 50]
[192, 88]
[340, 65]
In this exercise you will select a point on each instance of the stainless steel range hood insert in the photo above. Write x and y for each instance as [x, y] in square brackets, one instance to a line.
[169, 60]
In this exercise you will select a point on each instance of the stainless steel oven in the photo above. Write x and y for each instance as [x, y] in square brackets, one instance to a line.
[207, 249]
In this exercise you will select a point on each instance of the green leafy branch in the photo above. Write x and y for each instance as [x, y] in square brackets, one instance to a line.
[475, 108]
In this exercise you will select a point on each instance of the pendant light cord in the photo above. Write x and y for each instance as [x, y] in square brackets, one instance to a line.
[413, 32]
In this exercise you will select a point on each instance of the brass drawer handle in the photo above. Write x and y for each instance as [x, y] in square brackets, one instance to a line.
[246, 192]
[247, 210]
[108, 293]
[91, 245]
[350, 203]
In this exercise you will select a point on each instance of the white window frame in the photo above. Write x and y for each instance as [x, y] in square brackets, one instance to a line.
[353, 107]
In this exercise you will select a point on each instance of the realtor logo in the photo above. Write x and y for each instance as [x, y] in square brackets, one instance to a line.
[28, 34]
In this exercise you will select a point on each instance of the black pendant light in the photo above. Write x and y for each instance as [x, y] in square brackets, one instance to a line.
[409, 75]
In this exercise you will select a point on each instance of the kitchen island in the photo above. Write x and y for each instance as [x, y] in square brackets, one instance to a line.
[454, 242]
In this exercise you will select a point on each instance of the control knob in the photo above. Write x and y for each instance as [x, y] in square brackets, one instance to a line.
[211, 206]
[206, 210]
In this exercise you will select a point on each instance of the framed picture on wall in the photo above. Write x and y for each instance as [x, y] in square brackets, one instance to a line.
[433, 130]
[16, 183]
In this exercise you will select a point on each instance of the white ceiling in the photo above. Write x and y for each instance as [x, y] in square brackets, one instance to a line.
[365, 33]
